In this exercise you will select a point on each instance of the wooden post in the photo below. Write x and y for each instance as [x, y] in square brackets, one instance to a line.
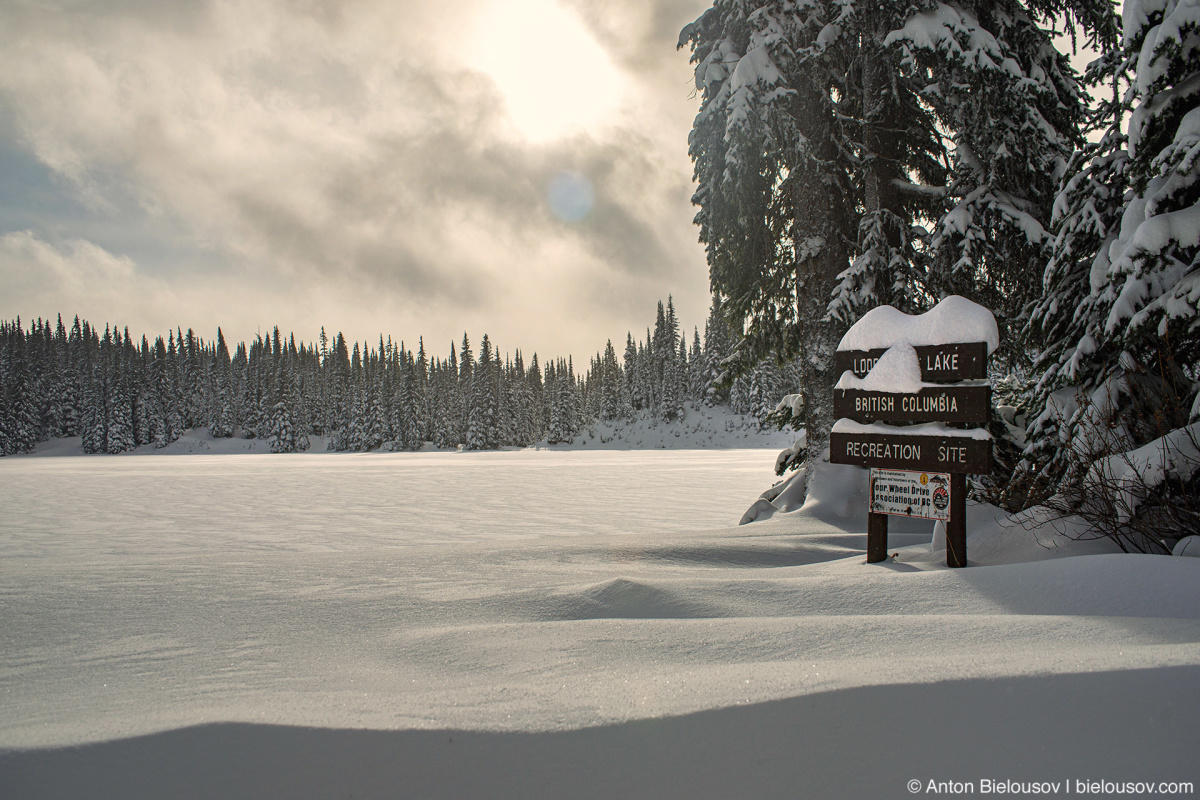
[877, 549]
[956, 530]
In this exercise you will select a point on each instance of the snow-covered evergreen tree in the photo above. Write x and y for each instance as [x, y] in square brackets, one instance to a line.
[536, 389]
[1015, 109]
[632, 388]
[555, 431]
[445, 403]
[375, 423]
[569, 387]
[612, 405]
[223, 417]
[283, 429]
[1119, 320]
[647, 386]
[763, 392]
[18, 416]
[821, 142]
[422, 415]
[466, 369]
[167, 419]
[143, 430]
[671, 395]
[717, 347]
[71, 390]
[696, 368]
[484, 412]
[119, 436]
[775, 213]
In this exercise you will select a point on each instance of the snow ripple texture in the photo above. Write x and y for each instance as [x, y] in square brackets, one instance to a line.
[531, 592]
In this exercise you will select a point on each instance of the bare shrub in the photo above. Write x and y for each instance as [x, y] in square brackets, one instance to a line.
[1144, 498]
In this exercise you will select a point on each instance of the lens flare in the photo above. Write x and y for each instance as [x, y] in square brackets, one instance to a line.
[571, 196]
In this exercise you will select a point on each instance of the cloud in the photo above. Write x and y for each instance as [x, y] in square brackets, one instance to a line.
[41, 277]
[642, 35]
[339, 160]
[78, 268]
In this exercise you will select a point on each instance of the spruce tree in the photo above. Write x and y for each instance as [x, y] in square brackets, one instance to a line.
[821, 143]
[553, 400]
[1119, 322]
[631, 372]
[466, 367]
[93, 437]
[611, 385]
[484, 413]
[223, 418]
[19, 414]
[716, 349]
[537, 412]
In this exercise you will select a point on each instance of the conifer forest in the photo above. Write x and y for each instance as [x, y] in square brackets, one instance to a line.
[118, 394]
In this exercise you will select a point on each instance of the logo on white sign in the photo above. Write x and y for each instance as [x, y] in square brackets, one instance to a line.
[907, 493]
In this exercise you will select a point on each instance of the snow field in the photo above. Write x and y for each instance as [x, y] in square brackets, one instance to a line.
[576, 623]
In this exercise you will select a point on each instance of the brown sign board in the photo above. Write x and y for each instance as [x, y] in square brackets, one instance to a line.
[960, 404]
[940, 363]
[960, 454]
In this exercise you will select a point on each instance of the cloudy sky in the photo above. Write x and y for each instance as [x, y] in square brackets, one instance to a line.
[406, 167]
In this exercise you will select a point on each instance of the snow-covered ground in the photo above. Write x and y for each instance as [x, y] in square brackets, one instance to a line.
[558, 623]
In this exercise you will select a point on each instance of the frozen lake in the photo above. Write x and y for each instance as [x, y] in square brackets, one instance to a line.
[514, 623]
[145, 592]
[145, 506]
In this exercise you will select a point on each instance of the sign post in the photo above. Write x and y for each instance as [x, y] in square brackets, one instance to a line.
[956, 529]
[923, 445]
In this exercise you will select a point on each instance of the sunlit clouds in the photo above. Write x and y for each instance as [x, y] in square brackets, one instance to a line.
[553, 77]
[406, 168]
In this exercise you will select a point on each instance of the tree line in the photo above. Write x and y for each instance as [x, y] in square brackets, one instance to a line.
[118, 393]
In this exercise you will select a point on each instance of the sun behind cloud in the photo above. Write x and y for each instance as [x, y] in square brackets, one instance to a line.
[554, 76]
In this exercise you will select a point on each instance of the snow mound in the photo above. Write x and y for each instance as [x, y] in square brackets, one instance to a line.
[837, 498]
[622, 598]
[1187, 546]
[837, 492]
[938, 542]
[954, 320]
[785, 495]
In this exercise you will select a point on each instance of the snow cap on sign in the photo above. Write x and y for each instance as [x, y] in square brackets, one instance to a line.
[954, 320]
[925, 429]
[897, 370]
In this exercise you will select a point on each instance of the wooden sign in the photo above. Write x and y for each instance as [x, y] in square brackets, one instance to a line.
[897, 452]
[904, 493]
[940, 363]
[959, 404]
[959, 454]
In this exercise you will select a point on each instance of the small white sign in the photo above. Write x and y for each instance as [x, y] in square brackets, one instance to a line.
[908, 493]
